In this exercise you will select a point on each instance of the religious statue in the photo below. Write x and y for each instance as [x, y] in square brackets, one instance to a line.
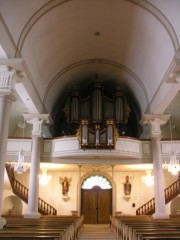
[127, 186]
[65, 185]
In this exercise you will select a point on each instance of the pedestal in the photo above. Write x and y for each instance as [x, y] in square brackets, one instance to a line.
[2, 222]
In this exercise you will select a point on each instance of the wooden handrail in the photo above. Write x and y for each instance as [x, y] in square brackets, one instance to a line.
[170, 192]
[22, 192]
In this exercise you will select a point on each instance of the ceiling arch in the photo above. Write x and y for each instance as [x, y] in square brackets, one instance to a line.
[162, 18]
[52, 4]
[53, 84]
[61, 42]
[34, 18]
[68, 56]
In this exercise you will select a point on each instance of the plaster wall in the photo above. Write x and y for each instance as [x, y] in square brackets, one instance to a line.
[52, 192]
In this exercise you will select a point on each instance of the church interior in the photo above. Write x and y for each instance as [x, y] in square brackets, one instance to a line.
[89, 108]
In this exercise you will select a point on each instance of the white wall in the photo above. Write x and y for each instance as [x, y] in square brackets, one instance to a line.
[140, 193]
[52, 192]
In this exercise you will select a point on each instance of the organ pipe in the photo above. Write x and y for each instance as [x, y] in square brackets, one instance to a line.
[97, 106]
[110, 134]
[84, 132]
[119, 108]
[74, 107]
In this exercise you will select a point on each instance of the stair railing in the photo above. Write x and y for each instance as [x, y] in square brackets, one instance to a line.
[170, 192]
[22, 192]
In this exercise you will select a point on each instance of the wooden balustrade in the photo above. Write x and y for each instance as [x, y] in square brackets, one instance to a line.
[170, 192]
[147, 209]
[22, 192]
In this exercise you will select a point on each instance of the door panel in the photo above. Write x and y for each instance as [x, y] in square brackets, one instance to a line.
[89, 206]
[96, 205]
[104, 205]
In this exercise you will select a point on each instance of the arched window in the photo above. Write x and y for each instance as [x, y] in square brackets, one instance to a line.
[100, 181]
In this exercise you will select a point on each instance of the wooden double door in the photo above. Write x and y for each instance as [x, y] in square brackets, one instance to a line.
[96, 205]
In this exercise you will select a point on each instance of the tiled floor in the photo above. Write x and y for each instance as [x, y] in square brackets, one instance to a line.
[96, 231]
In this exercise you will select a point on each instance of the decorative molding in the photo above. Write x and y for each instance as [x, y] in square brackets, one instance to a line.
[173, 73]
[15, 63]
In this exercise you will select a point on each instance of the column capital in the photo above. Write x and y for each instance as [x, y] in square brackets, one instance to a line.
[37, 120]
[8, 78]
[155, 121]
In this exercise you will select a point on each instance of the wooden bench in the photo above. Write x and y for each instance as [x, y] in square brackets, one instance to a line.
[161, 234]
[145, 227]
[134, 229]
[50, 228]
[31, 233]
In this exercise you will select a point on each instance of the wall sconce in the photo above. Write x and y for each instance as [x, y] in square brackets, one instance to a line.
[44, 178]
[148, 179]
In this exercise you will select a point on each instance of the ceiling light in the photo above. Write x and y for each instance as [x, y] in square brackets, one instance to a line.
[20, 166]
[44, 178]
[148, 179]
[173, 166]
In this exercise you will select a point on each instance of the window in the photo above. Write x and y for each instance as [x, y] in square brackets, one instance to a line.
[100, 181]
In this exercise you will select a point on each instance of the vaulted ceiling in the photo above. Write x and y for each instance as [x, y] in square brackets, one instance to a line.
[57, 43]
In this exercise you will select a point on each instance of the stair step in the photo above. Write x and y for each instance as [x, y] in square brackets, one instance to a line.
[96, 231]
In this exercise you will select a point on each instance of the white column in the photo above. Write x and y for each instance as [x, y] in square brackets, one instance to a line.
[7, 79]
[155, 121]
[79, 192]
[36, 120]
[113, 192]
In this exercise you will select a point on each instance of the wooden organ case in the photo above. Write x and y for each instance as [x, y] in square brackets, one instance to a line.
[97, 118]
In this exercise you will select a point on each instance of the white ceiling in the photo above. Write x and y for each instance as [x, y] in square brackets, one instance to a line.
[133, 42]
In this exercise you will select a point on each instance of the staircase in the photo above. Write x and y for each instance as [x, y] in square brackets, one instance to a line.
[22, 192]
[170, 192]
[97, 232]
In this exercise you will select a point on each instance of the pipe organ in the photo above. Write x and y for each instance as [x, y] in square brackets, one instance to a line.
[96, 117]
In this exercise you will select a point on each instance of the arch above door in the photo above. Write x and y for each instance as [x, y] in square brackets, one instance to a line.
[96, 180]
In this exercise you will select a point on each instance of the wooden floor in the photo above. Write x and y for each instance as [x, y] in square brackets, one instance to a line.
[96, 231]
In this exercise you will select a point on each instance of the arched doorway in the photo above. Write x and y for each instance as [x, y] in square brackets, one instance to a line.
[12, 205]
[96, 200]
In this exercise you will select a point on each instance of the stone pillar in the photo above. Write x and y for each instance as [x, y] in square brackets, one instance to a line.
[7, 82]
[155, 122]
[37, 121]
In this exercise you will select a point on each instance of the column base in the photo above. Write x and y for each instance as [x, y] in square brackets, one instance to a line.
[2, 222]
[32, 215]
[160, 215]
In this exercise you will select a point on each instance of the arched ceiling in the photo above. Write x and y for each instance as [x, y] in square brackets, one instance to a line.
[132, 42]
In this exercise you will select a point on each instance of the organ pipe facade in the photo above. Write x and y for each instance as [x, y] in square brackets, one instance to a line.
[96, 116]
